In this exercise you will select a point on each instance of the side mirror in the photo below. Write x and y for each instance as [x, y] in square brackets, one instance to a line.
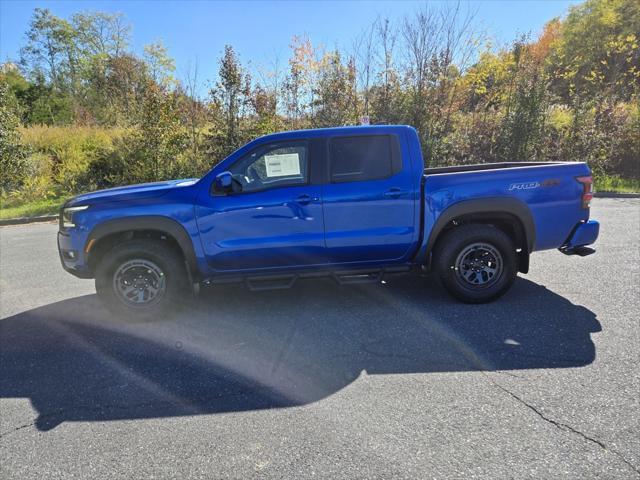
[223, 183]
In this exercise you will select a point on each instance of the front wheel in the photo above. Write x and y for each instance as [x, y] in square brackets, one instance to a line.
[476, 263]
[142, 279]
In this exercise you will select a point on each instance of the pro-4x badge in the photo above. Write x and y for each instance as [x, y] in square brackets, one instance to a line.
[524, 186]
[551, 182]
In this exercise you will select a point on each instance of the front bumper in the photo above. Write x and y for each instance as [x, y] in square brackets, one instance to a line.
[72, 255]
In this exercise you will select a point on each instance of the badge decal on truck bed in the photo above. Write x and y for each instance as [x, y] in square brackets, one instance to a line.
[551, 182]
[524, 186]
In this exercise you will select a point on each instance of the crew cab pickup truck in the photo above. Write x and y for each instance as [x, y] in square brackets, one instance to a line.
[354, 203]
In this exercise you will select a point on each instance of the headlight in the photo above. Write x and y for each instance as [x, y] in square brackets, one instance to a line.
[67, 215]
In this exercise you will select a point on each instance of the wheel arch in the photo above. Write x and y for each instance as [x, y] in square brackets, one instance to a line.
[508, 214]
[108, 234]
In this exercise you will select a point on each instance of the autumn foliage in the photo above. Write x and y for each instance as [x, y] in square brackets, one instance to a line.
[571, 93]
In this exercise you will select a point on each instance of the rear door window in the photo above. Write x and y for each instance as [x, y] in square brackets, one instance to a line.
[361, 158]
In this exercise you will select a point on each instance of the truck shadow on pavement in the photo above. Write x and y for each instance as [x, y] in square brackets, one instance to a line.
[237, 350]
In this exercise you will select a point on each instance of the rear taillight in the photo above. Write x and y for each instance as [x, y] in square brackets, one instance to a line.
[587, 190]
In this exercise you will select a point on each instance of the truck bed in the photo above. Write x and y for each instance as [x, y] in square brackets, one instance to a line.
[549, 190]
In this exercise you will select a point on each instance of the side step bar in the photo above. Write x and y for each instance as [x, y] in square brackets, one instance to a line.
[281, 282]
[350, 278]
[284, 281]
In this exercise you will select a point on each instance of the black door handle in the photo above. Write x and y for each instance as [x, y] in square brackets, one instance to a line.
[305, 199]
[394, 192]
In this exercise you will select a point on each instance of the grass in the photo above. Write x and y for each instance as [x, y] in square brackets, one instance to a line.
[33, 209]
[613, 183]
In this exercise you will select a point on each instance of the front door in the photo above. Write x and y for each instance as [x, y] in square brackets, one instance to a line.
[272, 219]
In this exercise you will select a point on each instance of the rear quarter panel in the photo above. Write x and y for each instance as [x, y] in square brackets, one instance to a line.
[551, 193]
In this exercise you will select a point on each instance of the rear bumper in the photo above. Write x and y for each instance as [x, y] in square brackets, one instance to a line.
[583, 234]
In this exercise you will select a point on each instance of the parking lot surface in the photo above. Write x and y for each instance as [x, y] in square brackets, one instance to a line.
[390, 380]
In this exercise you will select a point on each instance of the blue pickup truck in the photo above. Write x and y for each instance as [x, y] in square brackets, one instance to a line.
[353, 203]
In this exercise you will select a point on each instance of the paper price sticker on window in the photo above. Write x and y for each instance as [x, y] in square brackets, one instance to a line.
[282, 165]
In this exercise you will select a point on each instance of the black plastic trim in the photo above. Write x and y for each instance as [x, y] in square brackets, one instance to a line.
[498, 205]
[149, 222]
[485, 166]
[305, 273]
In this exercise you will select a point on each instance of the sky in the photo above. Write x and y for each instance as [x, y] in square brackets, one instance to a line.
[195, 32]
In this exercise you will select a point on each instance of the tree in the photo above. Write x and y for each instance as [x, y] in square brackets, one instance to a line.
[299, 84]
[434, 39]
[264, 104]
[266, 98]
[69, 61]
[160, 137]
[386, 97]
[102, 34]
[151, 151]
[51, 50]
[121, 90]
[523, 123]
[597, 52]
[193, 112]
[160, 65]
[335, 96]
[230, 97]
[364, 55]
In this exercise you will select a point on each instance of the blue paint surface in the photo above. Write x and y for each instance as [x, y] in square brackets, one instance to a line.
[326, 225]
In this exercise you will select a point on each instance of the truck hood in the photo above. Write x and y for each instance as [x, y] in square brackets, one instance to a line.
[131, 192]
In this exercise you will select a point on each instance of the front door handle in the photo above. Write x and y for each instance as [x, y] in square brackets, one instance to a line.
[394, 192]
[306, 199]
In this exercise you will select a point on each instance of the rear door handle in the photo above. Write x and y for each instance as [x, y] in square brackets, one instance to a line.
[306, 199]
[394, 192]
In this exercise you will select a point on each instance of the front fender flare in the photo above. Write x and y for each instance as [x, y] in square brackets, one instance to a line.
[149, 222]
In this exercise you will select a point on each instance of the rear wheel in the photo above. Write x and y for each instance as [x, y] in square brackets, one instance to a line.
[142, 279]
[476, 263]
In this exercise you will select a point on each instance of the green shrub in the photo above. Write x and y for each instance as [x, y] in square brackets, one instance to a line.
[12, 152]
[65, 153]
[615, 183]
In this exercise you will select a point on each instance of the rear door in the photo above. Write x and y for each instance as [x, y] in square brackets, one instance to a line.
[369, 202]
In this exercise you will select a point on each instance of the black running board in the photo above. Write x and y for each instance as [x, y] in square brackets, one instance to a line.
[284, 281]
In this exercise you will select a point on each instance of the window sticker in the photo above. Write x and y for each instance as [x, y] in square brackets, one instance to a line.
[282, 165]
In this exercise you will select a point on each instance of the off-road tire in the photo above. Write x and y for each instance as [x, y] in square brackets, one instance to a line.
[175, 295]
[450, 267]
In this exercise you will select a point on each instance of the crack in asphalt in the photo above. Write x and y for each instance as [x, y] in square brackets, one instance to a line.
[564, 426]
[15, 429]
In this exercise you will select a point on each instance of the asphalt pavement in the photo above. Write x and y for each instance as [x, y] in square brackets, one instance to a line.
[390, 380]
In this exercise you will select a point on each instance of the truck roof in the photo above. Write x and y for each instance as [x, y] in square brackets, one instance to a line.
[323, 132]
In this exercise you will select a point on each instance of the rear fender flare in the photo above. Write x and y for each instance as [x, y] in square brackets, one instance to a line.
[498, 205]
